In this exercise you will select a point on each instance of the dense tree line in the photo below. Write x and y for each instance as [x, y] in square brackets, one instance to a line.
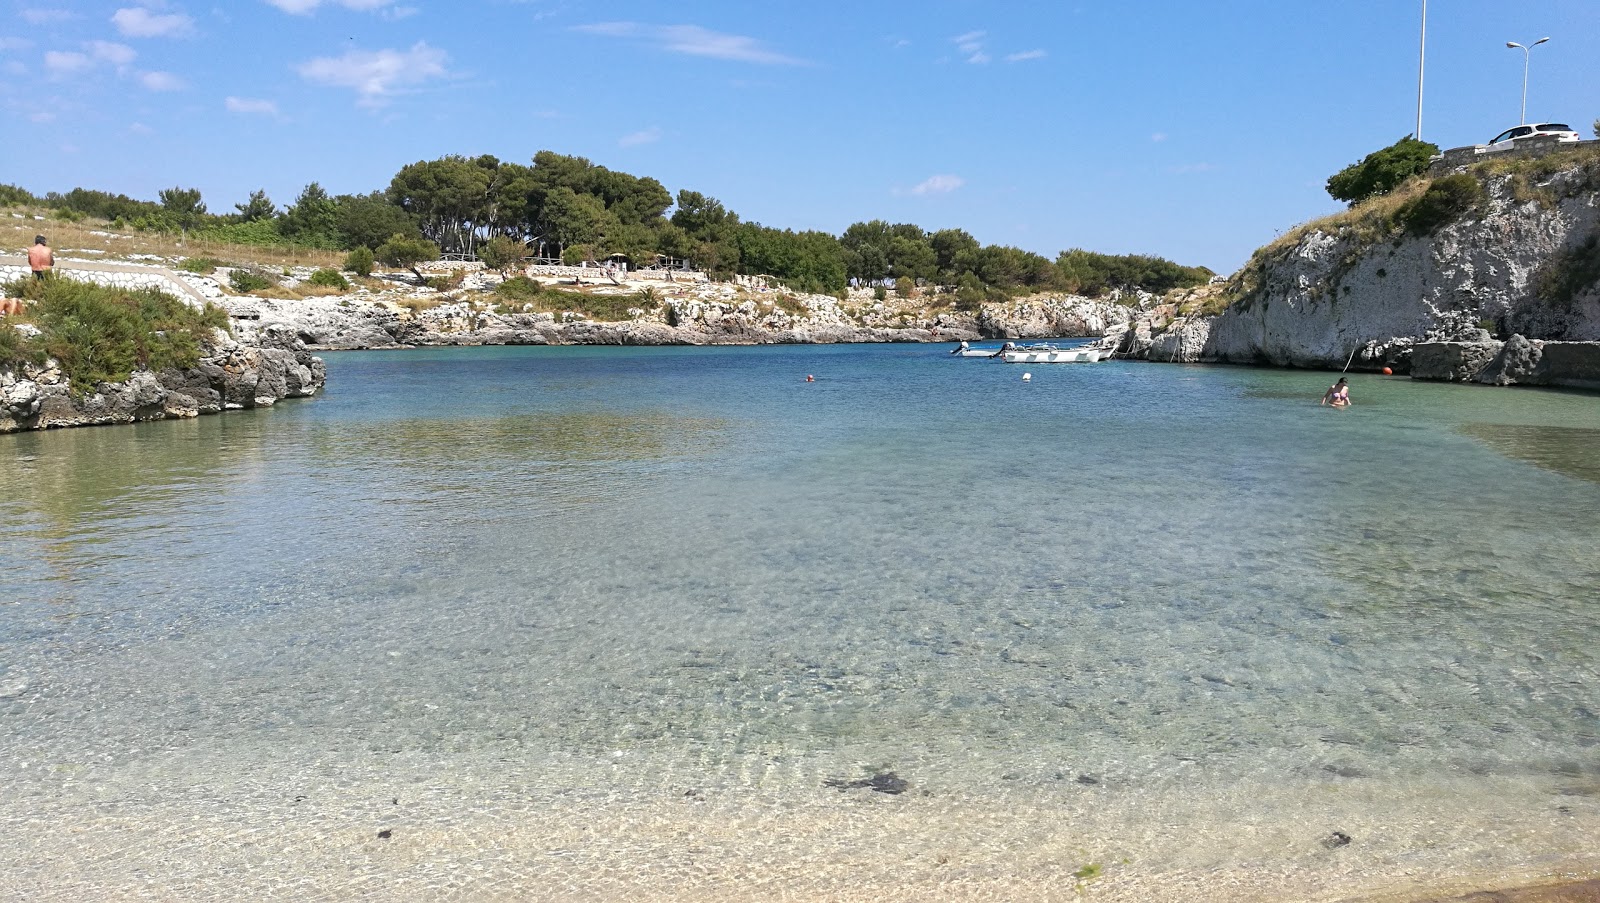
[567, 207]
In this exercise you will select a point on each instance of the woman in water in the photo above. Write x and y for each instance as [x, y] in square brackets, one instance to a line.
[1338, 394]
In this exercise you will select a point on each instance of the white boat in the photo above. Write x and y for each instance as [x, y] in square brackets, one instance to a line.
[1049, 354]
[966, 351]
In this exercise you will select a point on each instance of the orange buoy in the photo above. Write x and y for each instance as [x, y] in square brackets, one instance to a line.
[810, 378]
[1387, 372]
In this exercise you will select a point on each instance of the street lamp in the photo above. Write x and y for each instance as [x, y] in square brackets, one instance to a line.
[1422, 58]
[1526, 52]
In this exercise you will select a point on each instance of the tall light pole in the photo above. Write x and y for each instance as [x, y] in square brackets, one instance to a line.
[1526, 52]
[1422, 58]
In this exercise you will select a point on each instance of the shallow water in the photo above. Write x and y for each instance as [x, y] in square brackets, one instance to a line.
[602, 623]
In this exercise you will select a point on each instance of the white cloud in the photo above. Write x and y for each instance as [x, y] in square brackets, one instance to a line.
[648, 136]
[251, 106]
[1159, 137]
[307, 7]
[380, 74]
[692, 40]
[940, 184]
[971, 47]
[112, 52]
[8, 42]
[162, 81]
[139, 128]
[140, 22]
[1187, 168]
[42, 117]
[66, 62]
[1026, 55]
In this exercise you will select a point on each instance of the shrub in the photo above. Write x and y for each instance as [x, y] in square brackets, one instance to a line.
[519, 289]
[904, 287]
[879, 293]
[1446, 200]
[1380, 172]
[328, 279]
[205, 266]
[500, 252]
[16, 348]
[446, 283]
[101, 334]
[360, 261]
[400, 251]
[246, 281]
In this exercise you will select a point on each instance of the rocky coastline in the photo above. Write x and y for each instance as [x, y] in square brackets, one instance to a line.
[706, 314]
[1508, 294]
[229, 376]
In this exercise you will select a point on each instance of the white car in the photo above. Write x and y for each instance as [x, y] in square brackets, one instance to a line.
[1508, 139]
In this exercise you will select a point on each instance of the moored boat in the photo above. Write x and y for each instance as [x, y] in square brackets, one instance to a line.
[966, 350]
[1049, 354]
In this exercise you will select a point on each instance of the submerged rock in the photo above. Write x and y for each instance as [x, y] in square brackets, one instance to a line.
[883, 782]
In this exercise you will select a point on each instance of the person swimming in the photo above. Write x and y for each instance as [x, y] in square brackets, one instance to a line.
[1338, 394]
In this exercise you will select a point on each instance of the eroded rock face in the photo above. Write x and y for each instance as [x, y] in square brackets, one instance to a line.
[231, 376]
[1331, 294]
[721, 316]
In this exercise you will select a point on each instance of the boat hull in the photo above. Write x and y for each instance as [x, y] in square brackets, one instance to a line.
[1053, 356]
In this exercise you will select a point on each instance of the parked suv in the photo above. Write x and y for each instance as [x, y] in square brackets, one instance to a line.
[1508, 139]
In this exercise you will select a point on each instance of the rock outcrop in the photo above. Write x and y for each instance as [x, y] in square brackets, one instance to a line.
[229, 376]
[713, 315]
[1366, 293]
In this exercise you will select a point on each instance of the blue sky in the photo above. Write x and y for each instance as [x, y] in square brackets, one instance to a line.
[1196, 131]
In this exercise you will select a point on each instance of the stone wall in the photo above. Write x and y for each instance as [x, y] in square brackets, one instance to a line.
[130, 278]
[1458, 157]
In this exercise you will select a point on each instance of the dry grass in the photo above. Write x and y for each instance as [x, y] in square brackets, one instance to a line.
[70, 237]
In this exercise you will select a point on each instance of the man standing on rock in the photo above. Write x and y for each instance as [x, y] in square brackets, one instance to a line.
[40, 257]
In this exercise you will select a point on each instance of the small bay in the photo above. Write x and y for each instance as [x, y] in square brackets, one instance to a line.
[604, 622]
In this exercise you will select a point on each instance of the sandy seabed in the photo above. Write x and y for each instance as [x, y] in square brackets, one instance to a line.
[405, 834]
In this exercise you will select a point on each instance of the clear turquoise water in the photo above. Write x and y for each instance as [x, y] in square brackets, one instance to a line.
[1178, 621]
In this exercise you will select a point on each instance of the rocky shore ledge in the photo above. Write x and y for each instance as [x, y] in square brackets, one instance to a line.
[709, 314]
[229, 376]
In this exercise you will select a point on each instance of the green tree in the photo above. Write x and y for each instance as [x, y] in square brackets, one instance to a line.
[183, 206]
[367, 220]
[500, 252]
[449, 197]
[259, 207]
[311, 220]
[1381, 171]
[575, 219]
[402, 251]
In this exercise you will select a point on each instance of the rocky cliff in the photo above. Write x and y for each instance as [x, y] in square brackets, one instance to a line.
[1369, 289]
[229, 376]
[713, 315]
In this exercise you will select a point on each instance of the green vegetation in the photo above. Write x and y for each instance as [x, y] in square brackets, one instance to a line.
[522, 293]
[1446, 200]
[500, 252]
[244, 281]
[1380, 172]
[403, 251]
[1088, 273]
[328, 279]
[566, 207]
[101, 334]
[205, 266]
[360, 261]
